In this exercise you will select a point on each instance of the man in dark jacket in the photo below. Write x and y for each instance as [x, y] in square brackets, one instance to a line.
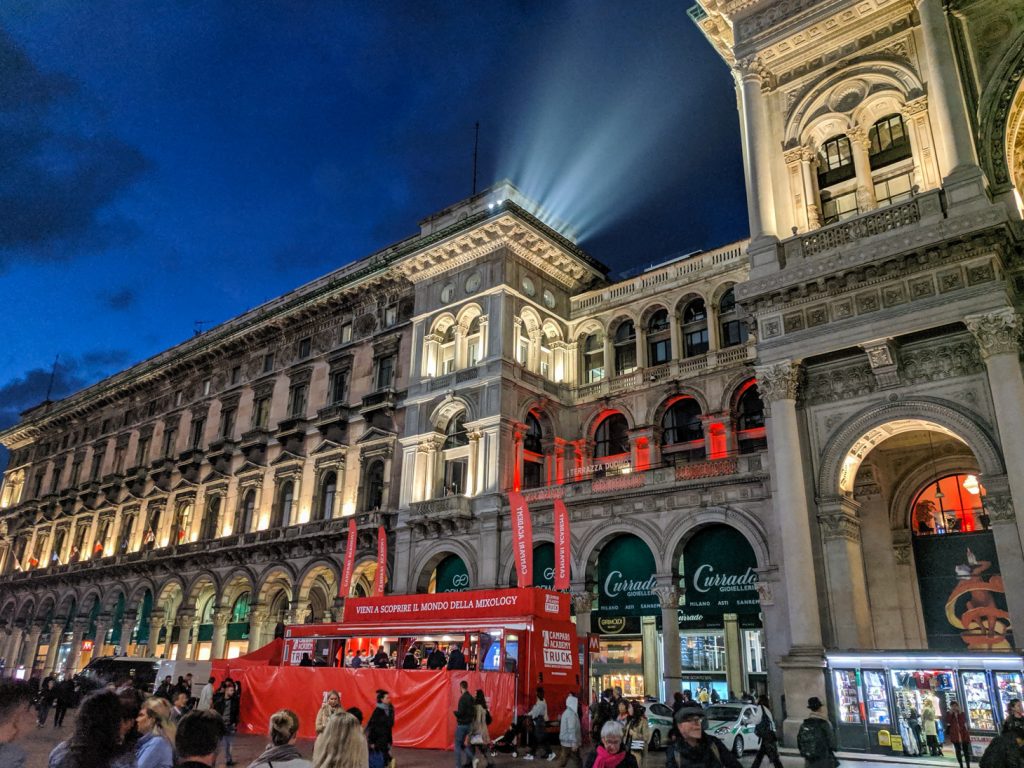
[166, 689]
[225, 704]
[464, 715]
[456, 659]
[382, 723]
[816, 740]
[381, 660]
[410, 661]
[1004, 751]
[436, 659]
[63, 697]
[694, 748]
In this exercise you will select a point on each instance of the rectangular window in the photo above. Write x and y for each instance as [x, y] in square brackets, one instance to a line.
[704, 653]
[755, 652]
[54, 479]
[305, 347]
[142, 452]
[105, 427]
[38, 488]
[660, 351]
[894, 190]
[76, 469]
[236, 374]
[533, 474]
[696, 342]
[346, 333]
[522, 352]
[385, 371]
[268, 362]
[206, 387]
[455, 473]
[227, 423]
[297, 401]
[195, 439]
[170, 438]
[473, 352]
[97, 465]
[839, 208]
[260, 412]
[339, 381]
[733, 332]
[390, 316]
[178, 397]
[119, 452]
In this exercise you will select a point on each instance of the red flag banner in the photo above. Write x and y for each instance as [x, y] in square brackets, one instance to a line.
[522, 539]
[350, 559]
[382, 562]
[563, 546]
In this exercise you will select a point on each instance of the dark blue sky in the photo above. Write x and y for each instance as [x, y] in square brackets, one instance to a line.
[163, 163]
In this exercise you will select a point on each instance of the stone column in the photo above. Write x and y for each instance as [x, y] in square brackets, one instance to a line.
[860, 146]
[809, 175]
[258, 619]
[1005, 522]
[193, 651]
[56, 631]
[651, 662]
[184, 621]
[13, 652]
[998, 336]
[849, 609]
[733, 653]
[471, 465]
[922, 145]
[906, 586]
[30, 648]
[102, 624]
[582, 603]
[671, 663]
[756, 149]
[220, 633]
[78, 629]
[778, 385]
[127, 627]
[156, 623]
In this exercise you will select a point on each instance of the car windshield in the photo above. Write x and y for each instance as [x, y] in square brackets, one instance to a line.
[722, 713]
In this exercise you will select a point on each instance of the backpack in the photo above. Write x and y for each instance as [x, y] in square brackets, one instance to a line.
[810, 740]
[764, 730]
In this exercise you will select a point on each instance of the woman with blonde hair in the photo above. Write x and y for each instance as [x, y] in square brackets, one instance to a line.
[155, 748]
[281, 751]
[341, 745]
[331, 706]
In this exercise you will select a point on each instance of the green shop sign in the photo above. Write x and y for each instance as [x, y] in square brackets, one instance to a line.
[625, 572]
[719, 574]
[451, 575]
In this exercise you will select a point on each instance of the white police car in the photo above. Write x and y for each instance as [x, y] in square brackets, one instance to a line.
[659, 719]
[734, 724]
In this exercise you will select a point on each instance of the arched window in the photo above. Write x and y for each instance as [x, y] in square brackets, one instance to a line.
[285, 501]
[248, 511]
[695, 328]
[448, 350]
[889, 142]
[182, 524]
[533, 453]
[474, 343]
[625, 348]
[682, 434]
[523, 345]
[593, 358]
[328, 491]
[835, 162]
[209, 529]
[153, 528]
[734, 330]
[951, 504]
[659, 338]
[611, 438]
[240, 610]
[546, 369]
[750, 434]
[455, 451]
[373, 486]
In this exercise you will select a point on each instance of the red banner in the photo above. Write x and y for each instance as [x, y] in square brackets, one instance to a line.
[350, 559]
[563, 546]
[382, 562]
[522, 539]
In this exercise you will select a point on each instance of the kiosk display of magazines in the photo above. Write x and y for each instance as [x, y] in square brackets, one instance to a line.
[513, 640]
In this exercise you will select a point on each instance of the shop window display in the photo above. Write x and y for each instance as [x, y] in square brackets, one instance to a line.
[951, 504]
[978, 704]
[851, 710]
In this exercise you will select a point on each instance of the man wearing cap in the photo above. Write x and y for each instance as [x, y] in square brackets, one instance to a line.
[816, 740]
[694, 748]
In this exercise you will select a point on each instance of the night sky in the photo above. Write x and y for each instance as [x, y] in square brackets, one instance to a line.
[163, 163]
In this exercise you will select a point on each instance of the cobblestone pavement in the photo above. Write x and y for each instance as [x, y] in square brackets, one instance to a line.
[39, 742]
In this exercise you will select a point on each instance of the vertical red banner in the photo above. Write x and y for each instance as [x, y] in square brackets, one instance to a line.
[563, 545]
[522, 539]
[350, 559]
[382, 562]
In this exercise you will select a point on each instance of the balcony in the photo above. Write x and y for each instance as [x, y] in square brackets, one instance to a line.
[381, 400]
[189, 462]
[160, 472]
[447, 511]
[220, 453]
[332, 421]
[254, 445]
[291, 434]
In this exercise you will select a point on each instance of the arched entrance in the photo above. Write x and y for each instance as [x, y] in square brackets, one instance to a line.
[450, 575]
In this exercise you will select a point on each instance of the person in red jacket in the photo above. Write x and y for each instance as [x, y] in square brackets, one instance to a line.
[956, 730]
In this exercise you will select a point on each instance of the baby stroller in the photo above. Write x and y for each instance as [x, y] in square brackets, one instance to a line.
[508, 742]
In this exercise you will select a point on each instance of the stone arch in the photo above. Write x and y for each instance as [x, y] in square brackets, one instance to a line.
[111, 595]
[135, 596]
[548, 419]
[449, 407]
[850, 444]
[432, 555]
[680, 303]
[364, 574]
[507, 564]
[324, 569]
[278, 578]
[552, 330]
[592, 419]
[734, 389]
[170, 595]
[588, 327]
[591, 543]
[649, 309]
[68, 604]
[234, 585]
[835, 97]
[621, 316]
[8, 611]
[685, 527]
[442, 323]
[719, 290]
[26, 610]
[530, 319]
[1001, 121]
[469, 313]
[683, 391]
[198, 585]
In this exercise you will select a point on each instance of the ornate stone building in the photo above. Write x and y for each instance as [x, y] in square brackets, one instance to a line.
[797, 446]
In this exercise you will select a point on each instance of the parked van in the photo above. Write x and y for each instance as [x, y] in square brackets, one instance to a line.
[200, 673]
[118, 669]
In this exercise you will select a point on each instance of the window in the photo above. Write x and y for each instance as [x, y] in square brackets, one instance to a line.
[545, 356]
[227, 422]
[285, 502]
[328, 492]
[373, 486]
[76, 470]
[240, 610]
[625, 348]
[734, 330]
[682, 434]
[611, 437]
[268, 362]
[305, 347]
[210, 519]
[889, 142]
[750, 432]
[97, 464]
[659, 338]
[178, 397]
[473, 342]
[206, 386]
[119, 452]
[261, 412]
[532, 441]
[236, 374]
[448, 350]
[695, 328]
[105, 427]
[593, 358]
[346, 333]
[390, 316]
[142, 451]
[895, 189]
[195, 439]
[455, 434]
[835, 162]
[455, 454]
[455, 473]
[339, 382]
[37, 488]
[297, 401]
[385, 371]
[952, 504]
[248, 511]
[838, 207]
[182, 524]
[533, 453]
[522, 345]
[170, 439]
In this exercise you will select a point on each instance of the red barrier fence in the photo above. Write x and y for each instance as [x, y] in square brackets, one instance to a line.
[424, 700]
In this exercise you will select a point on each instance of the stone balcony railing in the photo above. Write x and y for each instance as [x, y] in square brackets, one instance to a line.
[441, 509]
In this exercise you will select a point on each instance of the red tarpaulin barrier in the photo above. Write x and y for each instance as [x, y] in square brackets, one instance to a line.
[424, 700]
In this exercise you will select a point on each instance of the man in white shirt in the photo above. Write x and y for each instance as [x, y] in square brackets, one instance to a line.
[206, 697]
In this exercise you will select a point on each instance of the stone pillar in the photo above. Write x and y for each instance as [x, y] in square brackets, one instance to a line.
[756, 149]
[102, 624]
[127, 627]
[849, 609]
[193, 651]
[471, 468]
[946, 101]
[778, 385]
[906, 586]
[582, 603]
[998, 336]
[1005, 522]
[809, 176]
[671, 663]
[220, 633]
[651, 662]
[56, 632]
[860, 146]
[30, 648]
[184, 621]
[733, 653]
[922, 144]
[156, 623]
[78, 629]
[13, 651]
[258, 619]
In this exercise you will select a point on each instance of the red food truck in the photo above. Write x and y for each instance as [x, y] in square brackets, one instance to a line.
[513, 640]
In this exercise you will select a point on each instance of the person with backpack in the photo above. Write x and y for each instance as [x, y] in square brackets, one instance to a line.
[694, 748]
[765, 731]
[1005, 750]
[816, 740]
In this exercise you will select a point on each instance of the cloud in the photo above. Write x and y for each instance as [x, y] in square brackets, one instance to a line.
[61, 170]
[119, 300]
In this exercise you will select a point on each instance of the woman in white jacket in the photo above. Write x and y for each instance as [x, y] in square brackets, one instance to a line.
[570, 734]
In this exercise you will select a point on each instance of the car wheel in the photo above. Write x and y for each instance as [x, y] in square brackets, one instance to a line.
[656, 739]
[737, 747]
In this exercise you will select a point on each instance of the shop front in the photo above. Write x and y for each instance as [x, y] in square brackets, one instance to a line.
[878, 698]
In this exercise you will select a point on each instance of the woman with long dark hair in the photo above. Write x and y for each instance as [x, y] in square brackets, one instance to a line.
[99, 738]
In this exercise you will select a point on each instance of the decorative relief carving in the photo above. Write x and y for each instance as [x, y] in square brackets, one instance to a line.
[997, 333]
[839, 383]
[779, 381]
[902, 553]
[668, 595]
[999, 507]
[582, 602]
[839, 525]
[931, 362]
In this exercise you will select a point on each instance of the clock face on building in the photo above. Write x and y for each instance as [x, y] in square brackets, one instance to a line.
[473, 282]
[528, 287]
[549, 299]
[448, 293]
